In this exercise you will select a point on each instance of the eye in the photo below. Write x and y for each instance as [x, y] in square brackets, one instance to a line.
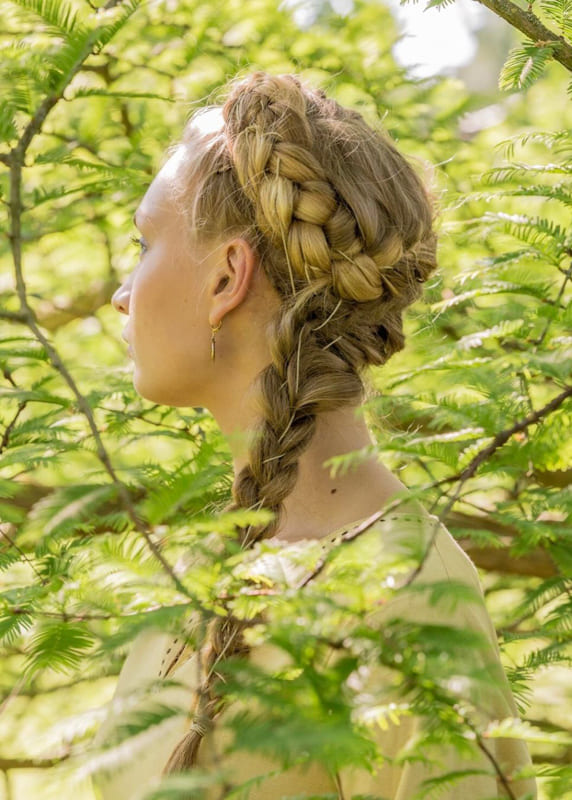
[140, 243]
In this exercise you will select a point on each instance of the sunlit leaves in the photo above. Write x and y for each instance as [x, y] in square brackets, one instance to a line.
[58, 16]
[178, 787]
[13, 624]
[59, 646]
[560, 12]
[524, 65]
[520, 729]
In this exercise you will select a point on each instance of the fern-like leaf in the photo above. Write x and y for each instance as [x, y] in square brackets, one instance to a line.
[13, 625]
[559, 141]
[524, 65]
[58, 16]
[59, 646]
[106, 33]
[439, 4]
[560, 11]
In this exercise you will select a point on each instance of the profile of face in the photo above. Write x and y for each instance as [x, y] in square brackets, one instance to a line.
[168, 325]
[177, 292]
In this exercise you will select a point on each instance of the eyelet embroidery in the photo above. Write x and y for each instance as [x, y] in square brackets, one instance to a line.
[173, 643]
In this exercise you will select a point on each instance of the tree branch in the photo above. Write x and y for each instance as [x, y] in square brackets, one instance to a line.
[537, 563]
[17, 158]
[30, 763]
[499, 440]
[503, 436]
[528, 23]
[495, 559]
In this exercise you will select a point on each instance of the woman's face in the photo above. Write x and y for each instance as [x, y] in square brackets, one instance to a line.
[168, 327]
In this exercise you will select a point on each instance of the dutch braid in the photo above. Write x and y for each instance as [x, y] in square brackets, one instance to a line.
[343, 226]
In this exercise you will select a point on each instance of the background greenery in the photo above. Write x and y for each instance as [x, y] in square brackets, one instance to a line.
[98, 486]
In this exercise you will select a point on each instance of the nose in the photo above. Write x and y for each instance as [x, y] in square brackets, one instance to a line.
[120, 299]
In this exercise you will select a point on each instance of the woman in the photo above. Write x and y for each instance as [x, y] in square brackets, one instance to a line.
[280, 244]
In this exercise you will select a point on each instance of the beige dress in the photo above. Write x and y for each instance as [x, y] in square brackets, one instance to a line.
[154, 653]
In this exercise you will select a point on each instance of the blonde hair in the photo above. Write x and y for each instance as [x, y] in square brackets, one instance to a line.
[343, 227]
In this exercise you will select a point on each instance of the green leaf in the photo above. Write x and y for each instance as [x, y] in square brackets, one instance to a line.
[438, 4]
[58, 15]
[181, 787]
[92, 92]
[560, 11]
[524, 65]
[59, 646]
[12, 625]
[514, 728]
[105, 33]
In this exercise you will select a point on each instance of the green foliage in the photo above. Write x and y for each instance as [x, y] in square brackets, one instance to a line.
[58, 647]
[60, 18]
[560, 12]
[524, 65]
[474, 415]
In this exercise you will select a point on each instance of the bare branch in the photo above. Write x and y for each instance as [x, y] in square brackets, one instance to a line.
[15, 316]
[537, 563]
[10, 427]
[30, 763]
[502, 437]
[567, 276]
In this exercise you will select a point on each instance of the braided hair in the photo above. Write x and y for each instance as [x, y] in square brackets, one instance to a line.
[343, 227]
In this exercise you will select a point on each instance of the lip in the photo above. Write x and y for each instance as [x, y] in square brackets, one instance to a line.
[130, 351]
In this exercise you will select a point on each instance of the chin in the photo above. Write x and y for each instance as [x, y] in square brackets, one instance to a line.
[162, 395]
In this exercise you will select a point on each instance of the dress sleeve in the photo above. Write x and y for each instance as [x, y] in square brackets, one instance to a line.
[399, 730]
[149, 751]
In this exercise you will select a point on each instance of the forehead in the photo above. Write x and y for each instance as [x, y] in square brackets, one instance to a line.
[160, 199]
[159, 194]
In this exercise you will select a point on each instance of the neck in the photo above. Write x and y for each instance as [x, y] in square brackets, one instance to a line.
[326, 498]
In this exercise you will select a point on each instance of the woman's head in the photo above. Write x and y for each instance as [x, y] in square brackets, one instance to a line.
[303, 230]
[307, 234]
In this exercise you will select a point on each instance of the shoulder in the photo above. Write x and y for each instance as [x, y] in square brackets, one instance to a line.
[440, 582]
[410, 535]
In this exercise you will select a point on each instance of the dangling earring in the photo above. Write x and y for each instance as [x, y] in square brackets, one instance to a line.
[213, 331]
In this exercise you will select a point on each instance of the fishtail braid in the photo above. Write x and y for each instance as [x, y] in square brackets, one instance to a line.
[343, 226]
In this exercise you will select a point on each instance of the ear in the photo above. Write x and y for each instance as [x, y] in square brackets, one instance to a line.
[232, 278]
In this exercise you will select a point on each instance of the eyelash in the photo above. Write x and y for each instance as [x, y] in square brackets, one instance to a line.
[138, 242]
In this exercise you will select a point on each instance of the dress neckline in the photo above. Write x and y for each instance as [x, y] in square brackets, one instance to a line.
[398, 513]
[330, 537]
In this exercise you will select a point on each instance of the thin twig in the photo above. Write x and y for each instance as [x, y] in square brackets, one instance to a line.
[10, 427]
[503, 436]
[29, 562]
[567, 276]
[31, 763]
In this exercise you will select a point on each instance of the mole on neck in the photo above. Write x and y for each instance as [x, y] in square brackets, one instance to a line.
[321, 502]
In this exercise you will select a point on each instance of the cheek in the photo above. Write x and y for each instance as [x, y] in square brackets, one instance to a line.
[166, 309]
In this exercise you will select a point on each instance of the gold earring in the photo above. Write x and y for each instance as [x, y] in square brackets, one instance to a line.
[213, 331]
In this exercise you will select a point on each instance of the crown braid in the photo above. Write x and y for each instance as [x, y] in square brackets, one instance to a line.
[343, 227]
